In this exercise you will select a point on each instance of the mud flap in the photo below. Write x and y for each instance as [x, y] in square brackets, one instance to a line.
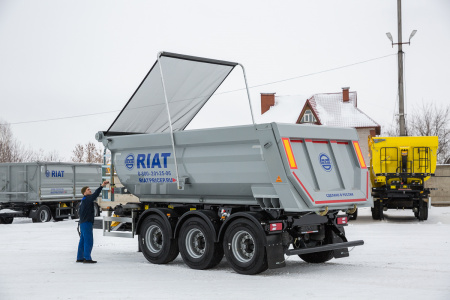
[275, 253]
[339, 253]
[33, 214]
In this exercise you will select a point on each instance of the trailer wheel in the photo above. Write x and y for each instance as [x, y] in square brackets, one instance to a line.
[318, 257]
[43, 214]
[423, 212]
[6, 220]
[155, 243]
[377, 210]
[244, 248]
[197, 247]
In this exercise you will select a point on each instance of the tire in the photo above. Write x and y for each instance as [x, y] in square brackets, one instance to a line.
[423, 212]
[244, 248]
[6, 220]
[377, 210]
[155, 243]
[318, 257]
[197, 246]
[43, 214]
[76, 214]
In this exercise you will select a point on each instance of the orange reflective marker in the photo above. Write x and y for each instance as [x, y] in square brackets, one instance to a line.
[359, 154]
[289, 153]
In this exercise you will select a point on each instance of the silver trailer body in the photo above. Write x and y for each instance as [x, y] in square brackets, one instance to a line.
[277, 166]
[253, 193]
[246, 165]
[41, 182]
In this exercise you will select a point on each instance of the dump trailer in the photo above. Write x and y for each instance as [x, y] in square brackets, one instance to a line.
[253, 193]
[42, 190]
[400, 166]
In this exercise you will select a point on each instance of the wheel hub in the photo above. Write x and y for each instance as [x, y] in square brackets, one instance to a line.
[154, 239]
[43, 216]
[195, 243]
[243, 246]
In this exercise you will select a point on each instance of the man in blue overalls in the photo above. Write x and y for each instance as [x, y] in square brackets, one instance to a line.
[86, 223]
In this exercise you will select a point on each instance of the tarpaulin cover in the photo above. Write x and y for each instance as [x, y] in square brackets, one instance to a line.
[189, 81]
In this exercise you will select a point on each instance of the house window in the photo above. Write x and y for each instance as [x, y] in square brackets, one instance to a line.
[308, 117]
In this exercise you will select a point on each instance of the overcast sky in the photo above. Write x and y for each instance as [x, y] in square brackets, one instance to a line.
[62, 59]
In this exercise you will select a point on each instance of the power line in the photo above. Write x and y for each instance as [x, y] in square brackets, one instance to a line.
[62, 118]
[315, 73]
[251, 87]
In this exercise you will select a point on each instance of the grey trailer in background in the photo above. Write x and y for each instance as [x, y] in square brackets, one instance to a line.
[42, 190]
[253, 193]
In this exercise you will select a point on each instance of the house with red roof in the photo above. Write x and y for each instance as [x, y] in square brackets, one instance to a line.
[329, 109]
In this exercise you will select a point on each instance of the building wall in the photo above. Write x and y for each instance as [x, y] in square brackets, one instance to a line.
[118, 198]
[363, 134]
[441, 196]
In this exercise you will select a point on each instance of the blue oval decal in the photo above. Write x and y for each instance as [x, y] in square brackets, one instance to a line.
[129, 161]
[325, 162]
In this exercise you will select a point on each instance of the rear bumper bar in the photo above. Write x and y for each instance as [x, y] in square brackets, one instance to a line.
[324, 248]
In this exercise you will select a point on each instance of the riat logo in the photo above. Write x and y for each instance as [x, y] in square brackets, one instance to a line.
[129, 162]
[325, 162]
[147, 161]
[54, 173]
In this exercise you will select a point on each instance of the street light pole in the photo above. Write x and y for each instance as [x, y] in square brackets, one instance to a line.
[401, 100]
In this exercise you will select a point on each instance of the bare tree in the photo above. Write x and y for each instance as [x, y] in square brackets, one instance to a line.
[53, 156]
[41, 155]
[433, 120]
[10, 149]
[428, 120]
[78, 153]
[93, 154]
[88, 153]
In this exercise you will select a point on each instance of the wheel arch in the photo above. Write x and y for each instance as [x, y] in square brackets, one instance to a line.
[161, 212]
[210, 217]
[255, 217]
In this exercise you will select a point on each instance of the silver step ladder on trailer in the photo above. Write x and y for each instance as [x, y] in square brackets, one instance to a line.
[108, 195]
[116, 230]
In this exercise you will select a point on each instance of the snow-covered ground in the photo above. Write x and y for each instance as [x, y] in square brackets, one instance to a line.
[402, 259]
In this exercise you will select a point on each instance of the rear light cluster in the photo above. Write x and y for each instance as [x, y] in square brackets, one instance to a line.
[276, 226]
[342, 220]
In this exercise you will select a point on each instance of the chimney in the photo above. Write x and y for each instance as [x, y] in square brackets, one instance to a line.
[267, 100]
[345, 94]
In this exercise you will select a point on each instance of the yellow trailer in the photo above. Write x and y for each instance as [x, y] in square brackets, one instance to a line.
[399, 167]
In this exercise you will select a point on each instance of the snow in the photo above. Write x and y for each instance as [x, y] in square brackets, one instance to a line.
[287, 109]
[402, 259]
[333, 112]
[329, 108]
[7, 211]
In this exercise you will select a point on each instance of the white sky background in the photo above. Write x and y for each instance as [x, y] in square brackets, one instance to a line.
[69, 58]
